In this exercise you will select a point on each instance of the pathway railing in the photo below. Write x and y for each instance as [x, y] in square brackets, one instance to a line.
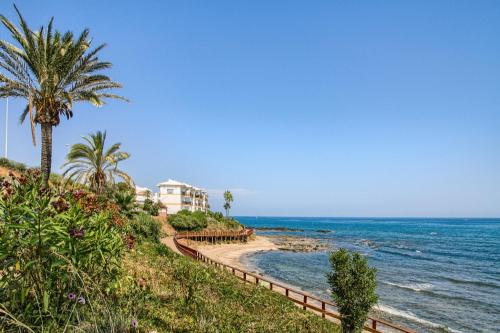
[307, 301]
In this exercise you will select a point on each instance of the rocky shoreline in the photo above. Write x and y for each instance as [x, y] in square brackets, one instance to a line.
[299, 244]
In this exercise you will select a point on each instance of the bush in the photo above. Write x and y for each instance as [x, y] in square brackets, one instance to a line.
[56, 252]
[217, 219]
[153, 208]
[353, 285]
[187, 221]
[125, 200]
[145, 227]
[16, 166]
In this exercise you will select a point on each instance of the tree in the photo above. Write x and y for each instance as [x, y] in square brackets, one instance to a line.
[91, 164]
[51, 71]
[228, 198]
[353, 285]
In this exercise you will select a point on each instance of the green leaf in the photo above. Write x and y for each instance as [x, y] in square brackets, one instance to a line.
[45, 301]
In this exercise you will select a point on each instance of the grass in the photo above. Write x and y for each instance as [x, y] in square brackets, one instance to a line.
[176, 294]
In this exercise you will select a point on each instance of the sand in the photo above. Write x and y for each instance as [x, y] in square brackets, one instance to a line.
[231, 254]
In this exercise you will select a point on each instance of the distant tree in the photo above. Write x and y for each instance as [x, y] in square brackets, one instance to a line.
[93, 164]
[353, 286]
[228, 198]
[51, 71]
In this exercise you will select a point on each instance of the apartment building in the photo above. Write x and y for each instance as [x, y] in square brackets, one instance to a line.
[177, 196]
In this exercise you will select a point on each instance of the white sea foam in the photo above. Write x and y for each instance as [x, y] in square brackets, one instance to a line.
[411, 286]
[411, 316]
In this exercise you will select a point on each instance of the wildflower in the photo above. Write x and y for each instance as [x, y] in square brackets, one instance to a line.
[71, 296]
[76, 233]
[130, 241]
[81, 300]
[77, 194]
[134, 323]
[60, 205]
[23, 180]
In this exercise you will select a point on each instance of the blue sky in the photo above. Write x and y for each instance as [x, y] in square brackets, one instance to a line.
[301, 108]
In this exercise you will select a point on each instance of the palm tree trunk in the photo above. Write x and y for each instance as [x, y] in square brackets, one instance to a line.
[46, 161]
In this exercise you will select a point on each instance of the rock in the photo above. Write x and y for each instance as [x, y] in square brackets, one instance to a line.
[299, 244]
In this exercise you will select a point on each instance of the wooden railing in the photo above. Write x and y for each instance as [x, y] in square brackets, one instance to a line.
[305, 300]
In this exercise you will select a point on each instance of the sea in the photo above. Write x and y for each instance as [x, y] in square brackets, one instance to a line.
[433, 274]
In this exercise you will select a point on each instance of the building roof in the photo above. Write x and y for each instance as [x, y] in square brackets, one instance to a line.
[171, 182]
[142, 190]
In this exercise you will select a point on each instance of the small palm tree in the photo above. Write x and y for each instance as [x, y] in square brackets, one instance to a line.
[91, 164]
[126, 201]
[228, 198]
[51, 71]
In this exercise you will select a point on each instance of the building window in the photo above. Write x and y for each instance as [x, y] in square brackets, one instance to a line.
[170, 191]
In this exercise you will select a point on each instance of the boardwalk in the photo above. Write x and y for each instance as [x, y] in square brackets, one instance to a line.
[324, 308]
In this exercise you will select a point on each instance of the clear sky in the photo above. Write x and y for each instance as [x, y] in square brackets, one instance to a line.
[301, 108]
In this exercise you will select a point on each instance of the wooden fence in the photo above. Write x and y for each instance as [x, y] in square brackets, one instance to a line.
[315, 304]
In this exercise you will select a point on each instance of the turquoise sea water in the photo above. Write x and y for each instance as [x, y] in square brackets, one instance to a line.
[434, 275]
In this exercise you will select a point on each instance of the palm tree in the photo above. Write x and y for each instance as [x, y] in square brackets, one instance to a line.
[228, 198]
[91, 164]
[51, 71]
[126, 201]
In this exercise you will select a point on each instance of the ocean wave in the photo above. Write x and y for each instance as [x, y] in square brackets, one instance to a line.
[411, 286]
[411, 316]
[471, 282]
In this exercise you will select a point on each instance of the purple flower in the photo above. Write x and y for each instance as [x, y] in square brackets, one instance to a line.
[76, 233]
[134, 323]
[71, 296]
[81, 300]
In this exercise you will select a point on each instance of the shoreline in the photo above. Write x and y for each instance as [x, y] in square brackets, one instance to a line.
[232, 253]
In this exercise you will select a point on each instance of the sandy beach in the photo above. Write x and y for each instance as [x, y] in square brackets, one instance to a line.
[230, 254]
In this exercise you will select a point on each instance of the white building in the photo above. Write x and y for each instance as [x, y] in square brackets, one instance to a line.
[177, 196]
[143, 193]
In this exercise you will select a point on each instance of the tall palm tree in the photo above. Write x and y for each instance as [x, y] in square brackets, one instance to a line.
[92, 164]
[51, 71]
[228, 198]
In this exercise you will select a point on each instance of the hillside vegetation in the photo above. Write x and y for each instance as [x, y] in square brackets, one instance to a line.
[71, 261]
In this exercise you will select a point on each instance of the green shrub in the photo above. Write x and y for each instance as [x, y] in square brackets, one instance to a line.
[225, 222]
[145, 227]
[187, 221]
[56, 252]
[16, 166]
[153, 208]
[353, 286]
[125, 199]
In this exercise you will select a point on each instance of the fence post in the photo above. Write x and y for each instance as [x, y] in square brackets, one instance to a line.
[323, 309]
[305, 302]
[286, 292]
[374, 324]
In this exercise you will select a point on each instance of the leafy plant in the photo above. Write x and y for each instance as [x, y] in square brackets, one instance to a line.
[92, 164]
[153, 208]
[186, 221]
[353, 286]
[51, 71]
[126, 202]
[145, 227]
[56, 250]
